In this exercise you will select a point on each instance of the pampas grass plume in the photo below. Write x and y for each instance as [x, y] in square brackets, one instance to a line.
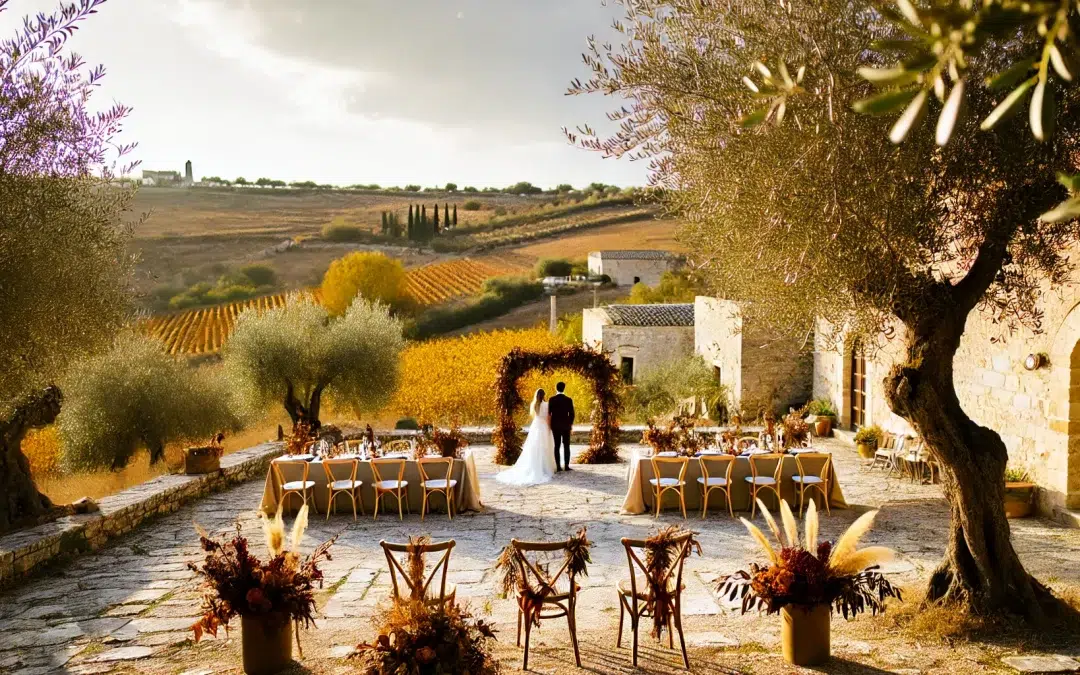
[857, 561]
[791, 528]
[847, 542]
[811, 528]
[770, 521]
[298, 529]
[761, 539]
[274, 529]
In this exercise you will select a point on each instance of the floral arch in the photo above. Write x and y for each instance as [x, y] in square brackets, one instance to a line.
[593, 365]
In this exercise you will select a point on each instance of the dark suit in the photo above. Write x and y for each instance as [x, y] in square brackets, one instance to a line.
[561, 408]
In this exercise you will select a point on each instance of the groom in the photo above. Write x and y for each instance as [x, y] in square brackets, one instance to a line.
[561, 408]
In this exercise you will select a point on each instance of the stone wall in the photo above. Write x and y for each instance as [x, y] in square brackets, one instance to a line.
[649, 346]
[718, 328]
[26, 551]
[622, 272]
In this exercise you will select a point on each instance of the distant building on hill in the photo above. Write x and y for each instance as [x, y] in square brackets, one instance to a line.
[639, 337]
[626, 268]
[169, 178]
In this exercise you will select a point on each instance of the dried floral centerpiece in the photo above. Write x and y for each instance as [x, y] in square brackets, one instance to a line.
[444, 443]
[422, 638]
[805, 578]
[298, 441]
[660, 438]
[269, 597]
[678, 435]
[796, 429]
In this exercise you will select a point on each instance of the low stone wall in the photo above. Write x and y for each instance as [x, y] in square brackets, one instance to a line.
[25, 551]
[580, 435]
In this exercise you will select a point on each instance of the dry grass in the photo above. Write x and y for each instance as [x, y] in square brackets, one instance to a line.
[646, 234]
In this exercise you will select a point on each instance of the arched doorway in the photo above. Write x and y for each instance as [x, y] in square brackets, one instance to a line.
[603, 445]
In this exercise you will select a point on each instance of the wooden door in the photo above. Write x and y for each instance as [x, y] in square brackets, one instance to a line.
[858, 386]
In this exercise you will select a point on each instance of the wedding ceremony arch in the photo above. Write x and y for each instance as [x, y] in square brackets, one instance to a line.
[595, 366]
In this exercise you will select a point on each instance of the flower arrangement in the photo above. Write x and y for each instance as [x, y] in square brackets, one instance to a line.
[239, 584]
[796, 430]
[531, 592]
[421, 638]
[730, 436]
[369, 435]
[447, 443]
[297, 442]
[660, 439]
[808, 573]
[678, 436]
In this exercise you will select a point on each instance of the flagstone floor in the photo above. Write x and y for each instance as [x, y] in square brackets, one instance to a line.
[128, 608]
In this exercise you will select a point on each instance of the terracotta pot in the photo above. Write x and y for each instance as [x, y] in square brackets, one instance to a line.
[267, 643]
[1019, 499]
[201, 460]
[867, 450]
[804, 634]
[823, 426]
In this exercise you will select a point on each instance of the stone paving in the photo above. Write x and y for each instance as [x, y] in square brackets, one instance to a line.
[136, 600]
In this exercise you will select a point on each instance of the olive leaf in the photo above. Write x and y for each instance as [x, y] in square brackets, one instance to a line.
[912, 115]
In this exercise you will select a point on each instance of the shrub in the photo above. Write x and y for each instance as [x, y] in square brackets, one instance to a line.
[569, 328]
[1015, 474]
[673, 287]
[136, 396]
[471, 205]
[554, 267]
[412, 188]
[339, 230]
[821, 407]
[500, 295]
[407, 423]
[523, 188]
[259, 274]
[659, 391]
[375, 276]
[469, 188]
[451, 187]
[500, 211]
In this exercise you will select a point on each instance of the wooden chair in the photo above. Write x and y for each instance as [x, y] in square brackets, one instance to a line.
[663, 484]
[887, 453]
[398, 446]
[336, 485]
[394, 486]
[444, 486]
[718, 479]
[446, 590]
[292, 487]
[636, 594]
[563, 602]
[762, 480]
[805, 480]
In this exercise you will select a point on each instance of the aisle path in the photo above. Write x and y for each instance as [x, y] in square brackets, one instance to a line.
[137, 598]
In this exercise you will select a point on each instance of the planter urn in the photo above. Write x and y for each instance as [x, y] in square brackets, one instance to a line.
[267, 643]
[1019, 499]
[201, 460]
[867, 450]
[823, 426]
[805, 634]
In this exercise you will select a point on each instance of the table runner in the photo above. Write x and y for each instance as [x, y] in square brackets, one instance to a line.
[468, 489]
[639, 493]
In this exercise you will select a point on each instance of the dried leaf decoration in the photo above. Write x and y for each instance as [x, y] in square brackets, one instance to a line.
[416, 565]
[531, 583]
[664, 550]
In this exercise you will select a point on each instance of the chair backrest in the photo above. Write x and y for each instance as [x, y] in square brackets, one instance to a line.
[330, 464]
[427, 463]
[821, 460]
[418, 589]
[672, 576]
[901, 442]
[746, 442]
[378, 464]
[343, 447]
[284, 468]
[719, 469]
[658, 466]
[759, 465]
[400, 445]
[530, 570]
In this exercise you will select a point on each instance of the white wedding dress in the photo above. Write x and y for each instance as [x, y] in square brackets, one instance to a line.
[536, 464]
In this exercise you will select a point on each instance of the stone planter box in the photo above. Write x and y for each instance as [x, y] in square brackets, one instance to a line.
[1019, 499]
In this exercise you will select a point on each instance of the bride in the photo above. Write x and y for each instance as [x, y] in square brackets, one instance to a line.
[537, 461]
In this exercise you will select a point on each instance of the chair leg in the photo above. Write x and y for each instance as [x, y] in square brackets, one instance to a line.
[353, 495]
[825, 497]
[656, 496]
[670, 634]
[400, 515]
[423, 505]
[330, 493]
[634, 625]
[753, 501]
[450, 504]
[528, 630]
[682, 502]
[622, 614]
[704, 493]
[519, 626]
[682, 640]
[375, 515]
[802, 498]
[571, 619]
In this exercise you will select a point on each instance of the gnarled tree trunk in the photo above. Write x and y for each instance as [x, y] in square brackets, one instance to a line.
[20, 501]
[299, 411]
[981, 570]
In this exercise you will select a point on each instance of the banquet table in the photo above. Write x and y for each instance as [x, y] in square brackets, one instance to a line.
[467, 491]
[639, 492]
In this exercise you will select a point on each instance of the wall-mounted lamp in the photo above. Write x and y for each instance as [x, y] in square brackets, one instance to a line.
[1035, 361]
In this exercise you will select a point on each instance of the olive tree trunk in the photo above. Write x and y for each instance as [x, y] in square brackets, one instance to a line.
[981, 570]
[298, 410]
[20, 501]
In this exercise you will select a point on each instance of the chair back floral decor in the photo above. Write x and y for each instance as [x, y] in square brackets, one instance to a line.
[603, 443]
[804, 578]
[425, 638]
[270, 597]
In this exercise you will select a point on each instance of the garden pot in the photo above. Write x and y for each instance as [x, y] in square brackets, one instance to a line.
[822, 426]
[867, 450]
[804, 634]
[201, 460]
[267, 643]
[1019, 499]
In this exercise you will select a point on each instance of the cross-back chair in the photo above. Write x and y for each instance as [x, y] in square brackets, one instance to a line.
[445, 590]
[339, 484]
[761, 479]
[807, 480]
[292, 487]
[746, 442]
[716, 478]
[397, 486]
[434, 484]
[663, 484]
[638, 596]
[556, 592]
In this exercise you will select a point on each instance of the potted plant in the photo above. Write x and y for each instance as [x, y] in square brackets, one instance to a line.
[204, 459]
[867, 440]
[448, 443]
[1019, 493]
[824, 413]
[805, 579]
[269, 597]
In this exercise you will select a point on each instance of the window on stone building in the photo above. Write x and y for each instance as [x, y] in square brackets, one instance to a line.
[626, 369]
[718, 373]
[637, 280]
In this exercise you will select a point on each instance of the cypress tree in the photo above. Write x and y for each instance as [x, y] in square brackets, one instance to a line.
[423, 215]
[410, 218]
[435, 221]
[385, 223]
[455, 215]
[446, 216]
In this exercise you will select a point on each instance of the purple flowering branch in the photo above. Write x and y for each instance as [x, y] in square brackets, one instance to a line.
[45, 127]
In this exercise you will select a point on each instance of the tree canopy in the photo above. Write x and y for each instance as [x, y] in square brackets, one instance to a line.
[375, 276]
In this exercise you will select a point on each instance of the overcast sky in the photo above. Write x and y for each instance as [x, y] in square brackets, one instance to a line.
[353, 91]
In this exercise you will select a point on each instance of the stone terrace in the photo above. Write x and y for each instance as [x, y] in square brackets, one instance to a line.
[128, 607]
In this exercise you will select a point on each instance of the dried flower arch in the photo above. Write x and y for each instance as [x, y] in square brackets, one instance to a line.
[593, 365]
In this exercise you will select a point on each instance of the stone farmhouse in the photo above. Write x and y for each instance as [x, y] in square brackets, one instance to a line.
[626, 268]
[639, 337]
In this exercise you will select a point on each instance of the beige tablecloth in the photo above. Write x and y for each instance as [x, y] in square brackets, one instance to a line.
[468, 488]
[639, 492]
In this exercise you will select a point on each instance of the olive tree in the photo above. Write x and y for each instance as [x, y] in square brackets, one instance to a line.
[297, 353]
[136, 396]
[760, 118]
[64, 269]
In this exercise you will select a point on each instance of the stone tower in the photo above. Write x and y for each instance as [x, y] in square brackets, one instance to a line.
[187, 173]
